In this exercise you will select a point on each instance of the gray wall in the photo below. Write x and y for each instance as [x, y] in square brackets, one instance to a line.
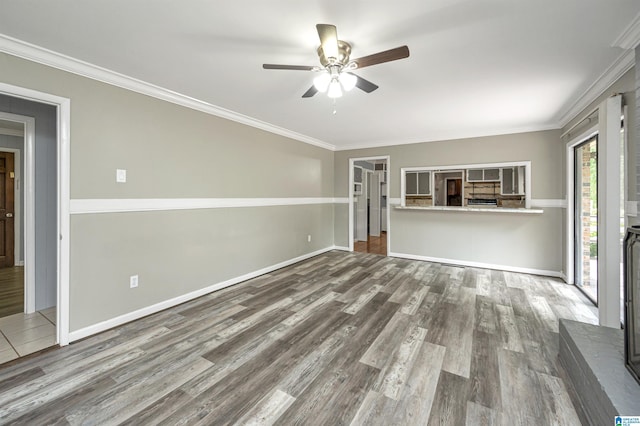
[16, 142]
[514, 240]
[45, 193]
[173, 152]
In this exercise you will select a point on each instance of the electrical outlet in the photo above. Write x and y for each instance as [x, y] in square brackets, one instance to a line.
[309, 238]
[133, 281]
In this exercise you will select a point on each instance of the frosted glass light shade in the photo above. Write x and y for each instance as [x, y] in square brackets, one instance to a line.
[348, 81]
[334, 89]
[321, 82]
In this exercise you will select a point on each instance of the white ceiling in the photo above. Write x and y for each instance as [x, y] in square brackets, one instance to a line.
[477, 67]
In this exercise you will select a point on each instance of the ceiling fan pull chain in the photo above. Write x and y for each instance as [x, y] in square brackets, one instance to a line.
[334, 106]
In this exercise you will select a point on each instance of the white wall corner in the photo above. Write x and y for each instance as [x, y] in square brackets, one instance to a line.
[629, 38]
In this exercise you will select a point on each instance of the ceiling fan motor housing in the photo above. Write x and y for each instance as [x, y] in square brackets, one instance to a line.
[344, 51]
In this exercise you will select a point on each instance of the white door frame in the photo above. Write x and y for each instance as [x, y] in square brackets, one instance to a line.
[608, 129]
[352, 161]
[28, 189]
[570, 231]
[374, 199]
[63, 108]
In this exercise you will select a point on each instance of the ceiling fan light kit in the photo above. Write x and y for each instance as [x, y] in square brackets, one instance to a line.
[334, 89]
[335, 76]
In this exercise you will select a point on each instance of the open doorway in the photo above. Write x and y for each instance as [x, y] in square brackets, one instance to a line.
[454, 191]
[368, 210]
[28, 297]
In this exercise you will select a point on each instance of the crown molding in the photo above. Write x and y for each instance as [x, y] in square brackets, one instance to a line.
[616, 70]
[449, 137]
[630, 37]
[66, 63]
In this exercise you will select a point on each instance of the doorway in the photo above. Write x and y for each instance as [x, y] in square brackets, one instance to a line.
[585, 157]
[368, 206]
[42, 320]
[24, 328]
[7, 209]
[454, 191]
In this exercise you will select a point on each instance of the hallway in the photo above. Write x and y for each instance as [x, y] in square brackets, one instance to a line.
[21, 334]
[11, 290]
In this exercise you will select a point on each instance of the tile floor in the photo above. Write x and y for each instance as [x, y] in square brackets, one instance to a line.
[22, 334]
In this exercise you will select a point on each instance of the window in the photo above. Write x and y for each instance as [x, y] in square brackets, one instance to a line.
[418, 183]
[483, 175]
[512, 181]
[501, 185]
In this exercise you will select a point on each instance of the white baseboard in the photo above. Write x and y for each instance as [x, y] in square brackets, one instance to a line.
[140, 313]
[481, 265]
[19, 263]
[341, 248]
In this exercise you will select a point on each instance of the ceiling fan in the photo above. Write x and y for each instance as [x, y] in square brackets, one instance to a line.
[335, 72]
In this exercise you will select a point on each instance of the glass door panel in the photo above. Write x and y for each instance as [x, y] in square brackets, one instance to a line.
[586, 219]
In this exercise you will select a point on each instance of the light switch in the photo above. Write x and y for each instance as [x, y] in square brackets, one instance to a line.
[121, 175]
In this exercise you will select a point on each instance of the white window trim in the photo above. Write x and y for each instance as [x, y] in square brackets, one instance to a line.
[463, 167]
[607, 128]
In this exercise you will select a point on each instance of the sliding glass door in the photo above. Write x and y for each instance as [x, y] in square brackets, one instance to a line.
[586, 219]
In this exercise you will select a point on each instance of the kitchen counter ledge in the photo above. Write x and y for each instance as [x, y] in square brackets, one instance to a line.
[482, 209]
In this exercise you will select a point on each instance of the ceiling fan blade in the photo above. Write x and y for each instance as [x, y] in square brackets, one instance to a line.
[381, 57]
[364, 85]
[328, 40]
[309, 93]
[288, 67]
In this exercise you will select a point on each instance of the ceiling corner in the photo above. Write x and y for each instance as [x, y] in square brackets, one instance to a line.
[630, 36]
[616, 70]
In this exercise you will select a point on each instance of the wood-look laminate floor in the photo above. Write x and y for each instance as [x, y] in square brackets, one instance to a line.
[373, 245]
[11, 290]
[342, 338]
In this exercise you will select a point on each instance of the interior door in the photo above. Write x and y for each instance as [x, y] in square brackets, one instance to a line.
[6, 209]
[374, 204]
[361, 212]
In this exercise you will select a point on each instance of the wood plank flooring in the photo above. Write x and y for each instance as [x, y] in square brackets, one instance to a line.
[340, 339]
[11, 290]
[373, 245]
